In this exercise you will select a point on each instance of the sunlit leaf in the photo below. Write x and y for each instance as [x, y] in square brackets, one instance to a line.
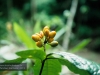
[39, 54]
[21, 34]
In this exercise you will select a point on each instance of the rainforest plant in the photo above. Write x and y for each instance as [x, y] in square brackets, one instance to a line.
[50, 64]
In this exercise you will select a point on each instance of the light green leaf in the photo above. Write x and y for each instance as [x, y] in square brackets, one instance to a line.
[78, 65]
[37, 67]
[51, 67]
[37, 27]
[39, 54]
[23, 36]
[80, 46]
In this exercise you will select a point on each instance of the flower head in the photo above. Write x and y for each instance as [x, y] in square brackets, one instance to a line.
[45, 36]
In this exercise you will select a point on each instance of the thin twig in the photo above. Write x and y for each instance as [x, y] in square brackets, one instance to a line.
[69, 24]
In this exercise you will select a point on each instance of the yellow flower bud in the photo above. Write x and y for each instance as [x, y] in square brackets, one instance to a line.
[41, 33]
[54, 43]
[52, 34]
[38, 35]
[46, 27]
[39, 44]
[46, 32]
[50, 40]
[36, 38]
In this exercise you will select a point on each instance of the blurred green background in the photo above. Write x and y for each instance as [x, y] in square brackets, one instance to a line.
[19, 19]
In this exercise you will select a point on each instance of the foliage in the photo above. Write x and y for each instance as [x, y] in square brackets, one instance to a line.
[38, 54]
[50, 64]
[23, 36]
[79, 65]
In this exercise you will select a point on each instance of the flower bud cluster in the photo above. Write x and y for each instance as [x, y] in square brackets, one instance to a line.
[47, 36]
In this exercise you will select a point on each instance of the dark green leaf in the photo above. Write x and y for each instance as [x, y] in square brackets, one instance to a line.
[32, 54]
[78, 65]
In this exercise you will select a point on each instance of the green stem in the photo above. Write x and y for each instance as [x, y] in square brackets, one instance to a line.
[45, 41]
[43, 62]
[44, 48]
[42, 67]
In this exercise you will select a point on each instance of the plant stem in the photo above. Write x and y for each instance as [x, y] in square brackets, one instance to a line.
[44, 48]
[42, 67]
[45, 41]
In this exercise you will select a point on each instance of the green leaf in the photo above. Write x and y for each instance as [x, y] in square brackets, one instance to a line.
[23, 36]
[80, 46]
[18, 60]
[37, 67]
[39, 54]
[78, 65]
[37, 27]
[51, 67]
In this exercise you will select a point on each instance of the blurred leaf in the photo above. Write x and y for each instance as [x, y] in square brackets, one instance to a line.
[60, 33]
[43, 17]
[56, 20]
[18, 60]
[80, 46]
[37, 27]
[78, 65]
[23, 36]
[45, 4]
[39, 54]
